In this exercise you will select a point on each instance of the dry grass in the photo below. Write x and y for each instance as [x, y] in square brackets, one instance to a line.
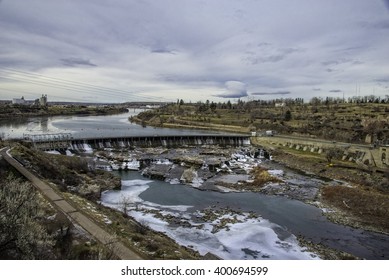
[371, 208]
[262, 177]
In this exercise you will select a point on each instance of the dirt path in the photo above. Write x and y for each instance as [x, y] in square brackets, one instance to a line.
[119, 249]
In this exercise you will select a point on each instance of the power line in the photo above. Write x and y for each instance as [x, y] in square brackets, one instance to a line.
[22, 76]
[71, 87]
[60, 81]
[49, 85]
[38, 93]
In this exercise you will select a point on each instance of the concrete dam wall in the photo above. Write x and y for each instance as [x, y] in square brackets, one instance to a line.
[83, 145]
[365, 155]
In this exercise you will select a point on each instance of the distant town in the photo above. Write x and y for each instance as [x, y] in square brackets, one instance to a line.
[42, 101]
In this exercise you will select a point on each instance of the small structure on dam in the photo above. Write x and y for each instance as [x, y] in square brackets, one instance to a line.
[49, 141]
[66, 141]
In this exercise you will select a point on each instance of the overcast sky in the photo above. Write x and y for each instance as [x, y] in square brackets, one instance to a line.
[128, 50]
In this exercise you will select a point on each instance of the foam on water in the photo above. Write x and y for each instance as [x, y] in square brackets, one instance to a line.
[164, 162]
[87, 148]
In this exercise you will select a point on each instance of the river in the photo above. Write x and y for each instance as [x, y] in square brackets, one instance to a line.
[87, 127]
[270, 234]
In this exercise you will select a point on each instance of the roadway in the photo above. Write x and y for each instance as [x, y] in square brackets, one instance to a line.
[75, 215]
[322, 141]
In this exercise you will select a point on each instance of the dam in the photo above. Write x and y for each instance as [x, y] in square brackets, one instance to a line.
[62, 141]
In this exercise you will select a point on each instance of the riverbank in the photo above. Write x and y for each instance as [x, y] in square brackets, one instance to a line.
[156, 121]
[82, 188]
[224, 170]
[207, 168]
[358, 201]
[8, 111]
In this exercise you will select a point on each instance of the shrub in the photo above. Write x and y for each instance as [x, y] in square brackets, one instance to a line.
[21, 234]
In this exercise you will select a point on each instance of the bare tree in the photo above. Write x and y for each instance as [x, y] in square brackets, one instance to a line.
[333, 153]
[125, 203]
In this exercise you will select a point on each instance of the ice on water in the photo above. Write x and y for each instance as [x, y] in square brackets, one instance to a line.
[249, 238]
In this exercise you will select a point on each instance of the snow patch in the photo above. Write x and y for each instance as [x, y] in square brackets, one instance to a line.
[53, 152]
[276, 172]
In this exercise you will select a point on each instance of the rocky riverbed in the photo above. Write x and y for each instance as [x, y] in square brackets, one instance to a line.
[215, 169]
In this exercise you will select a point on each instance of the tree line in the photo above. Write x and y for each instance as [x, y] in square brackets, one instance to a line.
[287, 102]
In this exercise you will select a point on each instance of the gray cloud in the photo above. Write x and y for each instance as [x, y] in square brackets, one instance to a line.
[271, 93]
[74, 62]
[235, 89]
[341, 61]
[268, 54]
[330, 62]
[163, 51]
[386, 2]
[382, 80]
[192, 49]
[380, 24]
[316, 89]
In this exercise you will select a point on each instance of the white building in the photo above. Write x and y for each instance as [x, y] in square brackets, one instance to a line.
[280, 104]
[20, 101]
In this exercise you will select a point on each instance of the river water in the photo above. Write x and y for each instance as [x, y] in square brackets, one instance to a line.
[270, 234]
[88, 127]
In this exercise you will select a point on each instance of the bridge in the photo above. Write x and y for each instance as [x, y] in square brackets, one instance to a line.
[65, 141]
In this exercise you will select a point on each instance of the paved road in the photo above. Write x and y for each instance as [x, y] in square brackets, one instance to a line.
[58, 200]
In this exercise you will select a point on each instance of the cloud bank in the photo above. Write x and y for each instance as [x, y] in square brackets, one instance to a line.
[194, 49]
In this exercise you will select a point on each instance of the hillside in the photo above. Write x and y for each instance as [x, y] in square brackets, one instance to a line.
[354, 122]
